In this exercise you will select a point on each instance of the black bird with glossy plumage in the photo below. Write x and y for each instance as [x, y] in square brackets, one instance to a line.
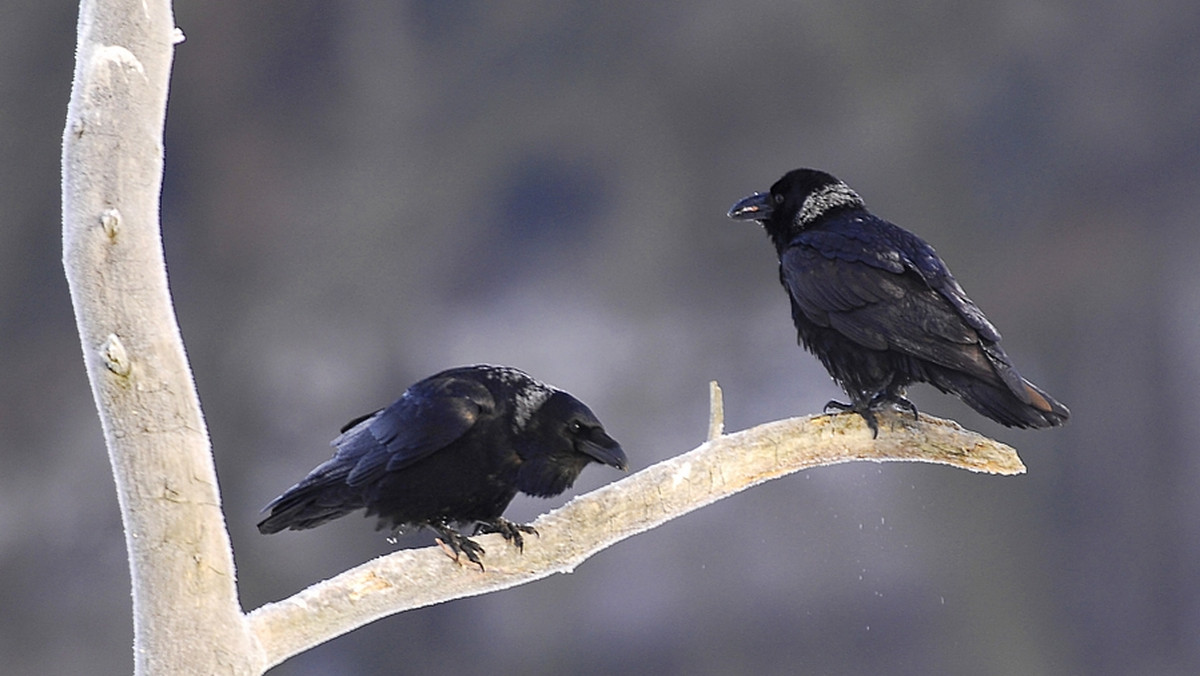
[881, 310]
[454, 449]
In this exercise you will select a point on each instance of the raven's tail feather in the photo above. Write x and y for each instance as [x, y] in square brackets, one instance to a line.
[307, 505]
[1029, 406]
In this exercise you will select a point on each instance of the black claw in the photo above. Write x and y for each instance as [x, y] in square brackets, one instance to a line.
[460, 544]
[834, 405]
[895, 396]
[872, 421]
[907, 406]
[508, 530]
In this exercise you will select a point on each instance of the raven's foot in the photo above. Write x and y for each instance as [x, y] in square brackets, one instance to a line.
[509, 530]
[863, 408]
[867, 407]
[456, 544]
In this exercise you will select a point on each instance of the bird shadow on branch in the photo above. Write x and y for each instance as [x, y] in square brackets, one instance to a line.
[720, 467]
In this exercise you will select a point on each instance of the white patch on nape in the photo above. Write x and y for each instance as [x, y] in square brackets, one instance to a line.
[825, 198]
[529, 393]
[527, 401]
[507, 375]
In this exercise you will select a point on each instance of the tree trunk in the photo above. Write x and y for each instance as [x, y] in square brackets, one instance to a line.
[186, 614]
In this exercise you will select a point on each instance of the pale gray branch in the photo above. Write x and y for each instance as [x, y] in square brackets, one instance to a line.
[187, 618]
[722, 466]
[716, 411]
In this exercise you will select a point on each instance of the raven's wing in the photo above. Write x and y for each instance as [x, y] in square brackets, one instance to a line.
[430, 415]
[884, 288]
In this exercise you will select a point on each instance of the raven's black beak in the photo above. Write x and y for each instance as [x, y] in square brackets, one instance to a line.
[604, 449]
[756, 207]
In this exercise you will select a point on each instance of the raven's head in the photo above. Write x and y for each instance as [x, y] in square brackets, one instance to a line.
[559, 439]
[796, 201]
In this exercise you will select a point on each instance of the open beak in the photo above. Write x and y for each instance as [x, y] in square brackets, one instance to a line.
[756, 207]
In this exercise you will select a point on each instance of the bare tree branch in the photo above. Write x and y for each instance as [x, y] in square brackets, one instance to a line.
[187, 618]
[722, 466]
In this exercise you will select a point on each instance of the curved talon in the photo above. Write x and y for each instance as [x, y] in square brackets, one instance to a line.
[458, 544]
[508, 530]
[869, 415]
[904, 403]
[835, 405]
[895, 396]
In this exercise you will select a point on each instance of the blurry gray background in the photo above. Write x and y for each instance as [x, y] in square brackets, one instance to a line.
[359, 194]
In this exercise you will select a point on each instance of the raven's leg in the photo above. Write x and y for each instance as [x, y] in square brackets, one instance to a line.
[511, 531]
[458, 543]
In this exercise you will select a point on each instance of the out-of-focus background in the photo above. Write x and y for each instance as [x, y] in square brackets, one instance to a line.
[359, 194]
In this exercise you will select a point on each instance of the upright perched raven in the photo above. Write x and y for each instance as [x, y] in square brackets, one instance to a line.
[455, 448]
[880, 310]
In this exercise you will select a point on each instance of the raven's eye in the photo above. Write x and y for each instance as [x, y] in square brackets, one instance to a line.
[778, 199]
[576, 427]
